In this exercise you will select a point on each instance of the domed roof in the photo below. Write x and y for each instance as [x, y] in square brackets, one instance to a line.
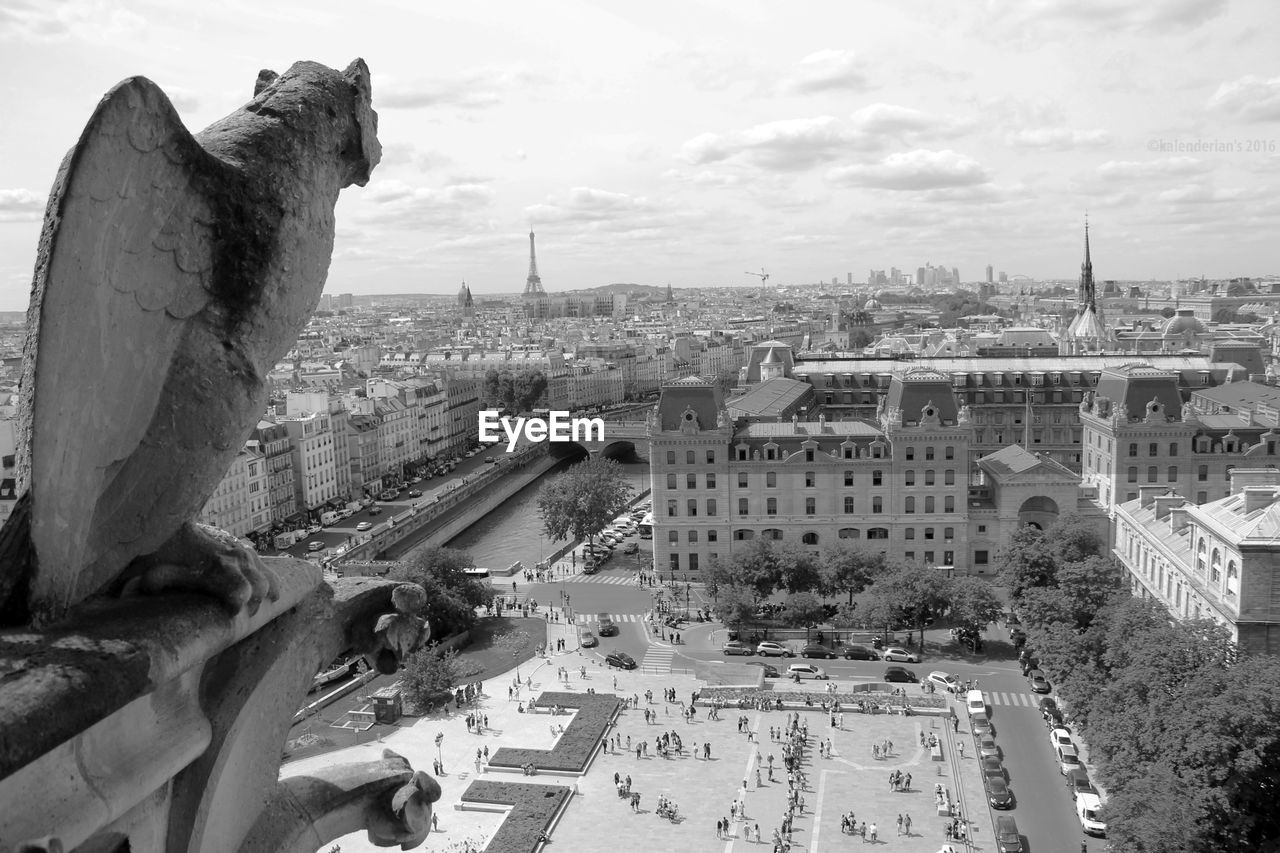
[871, 305]
[1184, 322]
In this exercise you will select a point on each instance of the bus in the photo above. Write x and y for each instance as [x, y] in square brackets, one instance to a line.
[646, 526]
[476, 573]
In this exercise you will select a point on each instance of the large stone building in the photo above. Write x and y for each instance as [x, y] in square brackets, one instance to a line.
[901, 481]
[1219, 561]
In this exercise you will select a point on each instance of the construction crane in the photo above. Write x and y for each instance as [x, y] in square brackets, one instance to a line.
[762, 275]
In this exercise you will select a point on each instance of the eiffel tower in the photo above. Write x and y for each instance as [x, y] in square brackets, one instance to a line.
[533, 284]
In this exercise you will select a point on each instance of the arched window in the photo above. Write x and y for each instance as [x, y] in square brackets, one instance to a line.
[1233, 579]
[910, 505]
[848, 504]
[771, 533]
[849, 533]
[1202, 553]
[928, 503]
[877, 504]
[744, 535]
[1215, 566]
[809, 539]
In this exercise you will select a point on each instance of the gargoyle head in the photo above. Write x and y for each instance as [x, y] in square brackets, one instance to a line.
[404, 817]
[401, 632]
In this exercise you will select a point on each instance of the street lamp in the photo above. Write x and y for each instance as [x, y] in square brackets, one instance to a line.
[439, 754]
[515, 656]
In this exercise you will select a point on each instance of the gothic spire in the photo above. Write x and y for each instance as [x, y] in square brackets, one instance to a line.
[1088, 295]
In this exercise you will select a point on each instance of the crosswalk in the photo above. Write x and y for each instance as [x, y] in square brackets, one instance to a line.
[616, 580]
[658, 659]
[587, 618]
[1021, 700]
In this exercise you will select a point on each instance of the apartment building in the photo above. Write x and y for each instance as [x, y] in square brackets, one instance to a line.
[241, 503]
[311, 444]
[272, 440]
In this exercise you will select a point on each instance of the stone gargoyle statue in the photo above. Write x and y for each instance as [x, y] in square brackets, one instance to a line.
[174, 271]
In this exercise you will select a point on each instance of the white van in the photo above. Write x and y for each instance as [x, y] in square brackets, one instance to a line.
[1089, 811]
[329, 518]
[975, 702]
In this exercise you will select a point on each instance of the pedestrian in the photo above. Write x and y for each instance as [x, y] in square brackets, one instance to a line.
[873, 833]
[757, 828]
[719, 829]
[862, 831]
[906, 819]
[960, 746]
[899, 824]
[955, 723]
[907, 787]
[757, 777]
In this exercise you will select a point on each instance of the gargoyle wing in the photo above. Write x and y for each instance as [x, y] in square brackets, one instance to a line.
[126, 258]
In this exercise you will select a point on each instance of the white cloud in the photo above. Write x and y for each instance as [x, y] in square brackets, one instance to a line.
[1249, 98]
[475, 89]
[400, 204]
[827, 70]
[1057, 138]
[787, 145]
[1198, 194]
[48, 21]
[593, 210]
[19, 205]
[921, 169]
[1164, 167]
[891, 118]
[1048, 17]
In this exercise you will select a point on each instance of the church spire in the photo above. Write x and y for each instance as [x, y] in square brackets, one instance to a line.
[1088, 294]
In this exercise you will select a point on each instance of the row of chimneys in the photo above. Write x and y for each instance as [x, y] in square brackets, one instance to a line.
[1260, 487]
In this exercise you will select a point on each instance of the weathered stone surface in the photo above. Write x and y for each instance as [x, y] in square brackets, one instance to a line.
[173, 273]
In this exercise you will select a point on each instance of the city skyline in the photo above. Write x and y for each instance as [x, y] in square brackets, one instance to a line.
[689, 143]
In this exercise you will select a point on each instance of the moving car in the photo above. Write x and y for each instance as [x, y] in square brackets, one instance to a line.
[987, 747]
[1039, 684]
[607, 626]
[807, 670]
[770, 671]
[817, 650]
[621, 660]
[364, 525]
[1089, 812]
[900, 675]
[944, 681]
[490, 460]
[853, 651]
[737, 647]
[586, 639]
[998, 793]
[315, 545]
[1078, 783]
[993, 767]
[375, 510]
[772, 649]
[415, 493]
[894, 653]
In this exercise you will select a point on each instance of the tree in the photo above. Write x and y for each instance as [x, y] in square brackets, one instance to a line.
[756, 566]
[452, 596]
[429, 672]
[850, 568]
[735, 605]
[917, 593]
[528, 386]
[717, 576]
[581, 501]
[1087, 584]
[973, 604]
[1025, 561]
[1073, 538]
[804, 610]
[798, 570]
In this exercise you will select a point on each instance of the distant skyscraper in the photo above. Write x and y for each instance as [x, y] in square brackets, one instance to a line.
[533, 284]
[955, 276]
[919, 275]
[990, 272]
[848, 279]
[1004, 277]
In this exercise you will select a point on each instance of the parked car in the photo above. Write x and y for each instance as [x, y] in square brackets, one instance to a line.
[817, 650]
[1029, 664]
[737, 647]
[998, 793]
[772, 649]
[770, 671]
[364, 525]
[1008, 839]
[853, 651]
[1068, 759]
[1078, 783]
[1046, 703]
[1039, 684]
[621, 660]
[993, 767]
[586, 639]
[987, 747]
[981, 725]
[1060, 737]
[807, 670]
[1089, 812]
[315, 545]
[1053, 718]
[314, 529]
[608, 628]
[894, 653]
[631, 548]
[944, 681]
[900, 675]
[490, 460]
[1018, 637]
[415, 493]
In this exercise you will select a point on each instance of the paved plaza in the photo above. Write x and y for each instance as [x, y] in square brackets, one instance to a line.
[853, 778]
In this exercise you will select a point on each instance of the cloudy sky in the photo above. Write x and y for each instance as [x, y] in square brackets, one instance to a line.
[687, 141]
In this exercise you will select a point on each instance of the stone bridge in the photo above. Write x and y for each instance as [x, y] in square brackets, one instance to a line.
[622, 439]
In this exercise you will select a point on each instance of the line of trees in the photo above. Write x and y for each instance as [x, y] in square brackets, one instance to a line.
[880, 594]
[1184, 730]
[517, 391]
[580, 502]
